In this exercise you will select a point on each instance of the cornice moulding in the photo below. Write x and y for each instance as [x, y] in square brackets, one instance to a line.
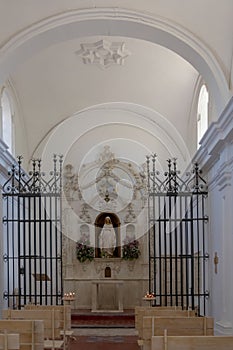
[5, 155]
[217, 135]
[6, 159]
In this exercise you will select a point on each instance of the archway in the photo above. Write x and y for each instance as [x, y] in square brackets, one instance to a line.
[117, 22]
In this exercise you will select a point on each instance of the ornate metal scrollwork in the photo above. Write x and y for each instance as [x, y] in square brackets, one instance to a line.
[36, 181]
[170, 182]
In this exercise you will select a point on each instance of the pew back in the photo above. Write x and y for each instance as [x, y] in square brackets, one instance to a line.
[31, 332]
[192, 343]
[64, 313]
[177, 326]
[9, 341]
[139, 310]
[182, 326]
[141, 313]
[52, 323]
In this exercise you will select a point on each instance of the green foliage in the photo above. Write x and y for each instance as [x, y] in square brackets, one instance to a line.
[84, 251]
[130, 249]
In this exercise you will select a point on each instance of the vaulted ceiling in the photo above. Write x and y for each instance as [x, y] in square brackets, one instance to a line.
[103, 65]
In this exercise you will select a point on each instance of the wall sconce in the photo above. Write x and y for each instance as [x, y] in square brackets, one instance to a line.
[216, 261]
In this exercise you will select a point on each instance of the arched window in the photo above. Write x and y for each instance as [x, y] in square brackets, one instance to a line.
[7, 122]
[202, 113]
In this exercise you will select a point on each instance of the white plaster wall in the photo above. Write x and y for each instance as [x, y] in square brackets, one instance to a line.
[5, 164]
[216, 158]
[223, 244]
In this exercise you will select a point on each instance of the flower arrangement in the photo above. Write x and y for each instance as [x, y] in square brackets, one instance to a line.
[83, 249]
[130, 249]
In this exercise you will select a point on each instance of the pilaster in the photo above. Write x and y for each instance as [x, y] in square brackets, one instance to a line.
[215, 157]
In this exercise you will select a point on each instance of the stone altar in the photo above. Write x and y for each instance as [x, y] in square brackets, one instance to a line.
[117, 284]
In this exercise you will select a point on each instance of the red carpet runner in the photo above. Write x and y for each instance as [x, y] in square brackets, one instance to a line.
[87, 319]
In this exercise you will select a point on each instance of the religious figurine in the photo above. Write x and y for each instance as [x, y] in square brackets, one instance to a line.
[107, 239]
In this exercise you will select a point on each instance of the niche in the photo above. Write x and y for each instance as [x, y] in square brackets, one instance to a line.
[99, 225]
[107, 272]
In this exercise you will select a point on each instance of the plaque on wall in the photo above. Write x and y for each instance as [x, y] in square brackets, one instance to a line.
[41, 277]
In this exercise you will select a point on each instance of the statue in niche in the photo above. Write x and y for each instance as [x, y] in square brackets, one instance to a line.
[107, 239]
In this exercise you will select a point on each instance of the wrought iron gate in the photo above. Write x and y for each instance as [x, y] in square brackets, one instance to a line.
[32, 235]
[177, 236]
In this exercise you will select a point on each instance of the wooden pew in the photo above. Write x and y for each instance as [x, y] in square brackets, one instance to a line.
[182, 326]
[51, 324]
[9, 341]
[31, 332]
[64, 316]
[138, 310]
[154, 311]
[64, 313]
[192, 342]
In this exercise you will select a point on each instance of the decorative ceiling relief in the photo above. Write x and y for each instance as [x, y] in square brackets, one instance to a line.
[103, 53]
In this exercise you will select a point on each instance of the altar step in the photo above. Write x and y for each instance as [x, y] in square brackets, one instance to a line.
[88, 319]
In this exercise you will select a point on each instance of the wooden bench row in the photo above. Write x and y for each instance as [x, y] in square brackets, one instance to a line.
[30, 332]
[141, 312]
[50, 318]
[64, 312]
[182, 326]
[191, 342]
[170, 328]
[56, 322]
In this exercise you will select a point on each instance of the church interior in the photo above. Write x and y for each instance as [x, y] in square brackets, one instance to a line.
[116, 170]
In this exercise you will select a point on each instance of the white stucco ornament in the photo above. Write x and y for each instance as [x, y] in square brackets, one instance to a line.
[103, 53]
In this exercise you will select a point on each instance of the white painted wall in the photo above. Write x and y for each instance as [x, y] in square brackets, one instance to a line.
[216, 158]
